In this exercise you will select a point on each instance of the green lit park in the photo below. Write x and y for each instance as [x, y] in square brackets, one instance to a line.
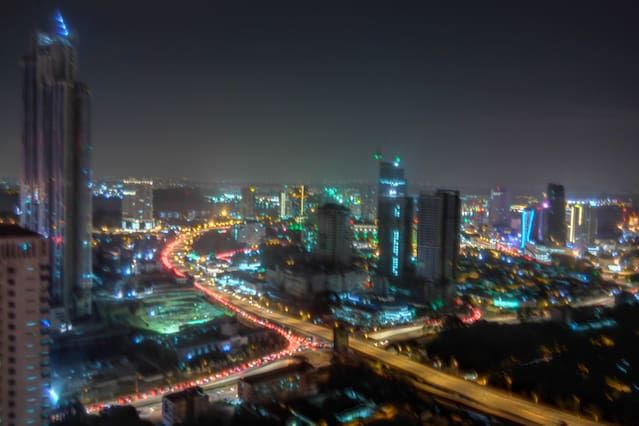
[169, 312]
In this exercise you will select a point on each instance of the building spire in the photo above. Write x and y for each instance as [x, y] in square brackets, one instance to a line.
[60, 27]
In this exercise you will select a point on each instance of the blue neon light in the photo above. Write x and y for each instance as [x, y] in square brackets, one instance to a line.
[527, 218]
[507, 304]
[53, 396]
[395, 256]
[392, 182]
[61, 27]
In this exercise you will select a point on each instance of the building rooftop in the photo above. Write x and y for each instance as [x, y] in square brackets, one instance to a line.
[16, 231]
[298, 367]
[186, 393]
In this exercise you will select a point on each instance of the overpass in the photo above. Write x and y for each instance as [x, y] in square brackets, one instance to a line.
[481, 398]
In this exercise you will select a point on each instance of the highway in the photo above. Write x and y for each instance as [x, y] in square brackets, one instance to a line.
[151, 408]
[485, 399]
[482, 398]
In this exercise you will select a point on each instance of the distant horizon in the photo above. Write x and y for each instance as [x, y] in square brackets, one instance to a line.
[414, 188]
[469, 96]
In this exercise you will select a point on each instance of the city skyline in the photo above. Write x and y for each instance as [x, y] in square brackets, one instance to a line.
[216, 299]
[346, 85]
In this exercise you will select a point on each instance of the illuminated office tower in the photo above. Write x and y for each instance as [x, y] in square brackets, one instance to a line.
[438, 235]
[298, 198]
[368, 196]
[56, 172]
[137, 205]
[581, 223]
[334, 234]
[248, 202]
[527, 226]
[285, 209]
[499, 207]
[555, 226]
[394, 214]
[24, 352]
[293, 202]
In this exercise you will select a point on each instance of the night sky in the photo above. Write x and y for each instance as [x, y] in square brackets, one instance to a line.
[473, 95]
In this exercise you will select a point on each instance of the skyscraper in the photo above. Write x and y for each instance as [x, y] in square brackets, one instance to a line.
[499, 207]
[24, 352]
[137, 205]
[556, 215]
[581, 223]
[248, 202]
[438, 238]
[394, 213]
[56, 172]
[527, 226]
[334, 235]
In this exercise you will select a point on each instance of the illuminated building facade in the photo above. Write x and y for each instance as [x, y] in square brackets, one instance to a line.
[24, 352]
[298, 197]
[284, 205]
[556, 215]
[334, 238]
[248, 202]
[137, 205]
[438, 239]
[56, 171]
[580, 223]
[394, 214]
[527, 226]
[499, 208]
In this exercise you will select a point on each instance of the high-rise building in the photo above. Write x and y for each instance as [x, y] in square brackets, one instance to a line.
[499, 207]
[24, 352]
[438, 236]
[527, 226]
[334, 236]
[248, 202]
[56, 171]
[394, 214]
[298, 198]
[293, 202]
[368, 197]
[284, 204]
[137, 205]
[580, 223]
[556, 215]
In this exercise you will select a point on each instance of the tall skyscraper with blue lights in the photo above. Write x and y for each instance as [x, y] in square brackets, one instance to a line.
[394, 214]
[56, 172]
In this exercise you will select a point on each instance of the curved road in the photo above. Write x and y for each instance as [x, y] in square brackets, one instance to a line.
[482, 398]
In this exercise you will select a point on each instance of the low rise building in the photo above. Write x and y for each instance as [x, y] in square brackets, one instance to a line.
[293, 381]
[184, 407]
[307, 279]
